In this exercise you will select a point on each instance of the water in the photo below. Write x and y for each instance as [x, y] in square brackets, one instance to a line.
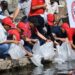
[48, 69]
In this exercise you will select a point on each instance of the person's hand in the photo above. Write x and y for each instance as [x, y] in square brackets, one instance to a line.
[16, 42]
[48, 40]
[45, 6]
[56, 43]
[34, 40]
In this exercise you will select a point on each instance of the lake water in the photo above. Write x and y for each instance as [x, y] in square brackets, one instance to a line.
[48, 69]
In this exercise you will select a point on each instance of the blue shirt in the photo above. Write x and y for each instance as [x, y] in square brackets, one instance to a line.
[57, 30]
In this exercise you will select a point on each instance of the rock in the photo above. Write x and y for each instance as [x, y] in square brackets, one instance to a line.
[23, 61]
[8, 64]
[5, 64]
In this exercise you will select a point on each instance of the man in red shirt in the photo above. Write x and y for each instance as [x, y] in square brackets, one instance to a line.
[37, 10]
[29, 32]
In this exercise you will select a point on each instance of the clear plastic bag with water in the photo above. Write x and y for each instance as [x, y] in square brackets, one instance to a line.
[16, 51]
[63, 53]
[47, 51]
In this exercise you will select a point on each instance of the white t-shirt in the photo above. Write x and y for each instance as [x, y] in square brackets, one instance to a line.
[49, 9]
[25, 6]
[3, 34]
[55, 7]
[2, 17]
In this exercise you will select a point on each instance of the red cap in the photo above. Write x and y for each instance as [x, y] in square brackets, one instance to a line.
[8, 22]
[65, 26]
[50, 18]
[26, 28]
[21, 25]
[14, 32]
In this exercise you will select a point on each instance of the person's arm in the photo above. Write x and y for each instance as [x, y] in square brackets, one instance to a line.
[41, 36]
[16, 13]
[72, 45]
[10, 41]
[61, 39]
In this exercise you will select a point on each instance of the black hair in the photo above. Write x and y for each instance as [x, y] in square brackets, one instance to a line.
[34, 21]
[52, 1]
[24, 19]
[4, 5]
[21, 1]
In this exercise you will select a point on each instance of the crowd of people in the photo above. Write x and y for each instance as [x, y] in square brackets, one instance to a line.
[38, 22]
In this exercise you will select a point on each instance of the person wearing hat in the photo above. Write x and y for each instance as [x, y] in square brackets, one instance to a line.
[50, 19]
[8, 22]
[49, 25]
[4, 45]
[13, 35]
[70, 33]
[30, 33]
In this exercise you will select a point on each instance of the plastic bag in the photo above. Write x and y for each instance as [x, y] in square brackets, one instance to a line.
[63, 53]
[59, 56]
[71, 52]
[16, 51]
[36, 48]
[36, 59]
[47, 51]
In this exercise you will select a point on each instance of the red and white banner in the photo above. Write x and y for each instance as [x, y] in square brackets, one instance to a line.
[71, 12]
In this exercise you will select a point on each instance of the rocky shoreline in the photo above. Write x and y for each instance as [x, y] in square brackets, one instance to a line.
[9, 64]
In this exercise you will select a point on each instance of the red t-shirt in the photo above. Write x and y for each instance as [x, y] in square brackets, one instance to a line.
[15, 33]
[70, 33]
[37, 11]
[28, 32]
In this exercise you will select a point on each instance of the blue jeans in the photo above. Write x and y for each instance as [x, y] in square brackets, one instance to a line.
[4, 49]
